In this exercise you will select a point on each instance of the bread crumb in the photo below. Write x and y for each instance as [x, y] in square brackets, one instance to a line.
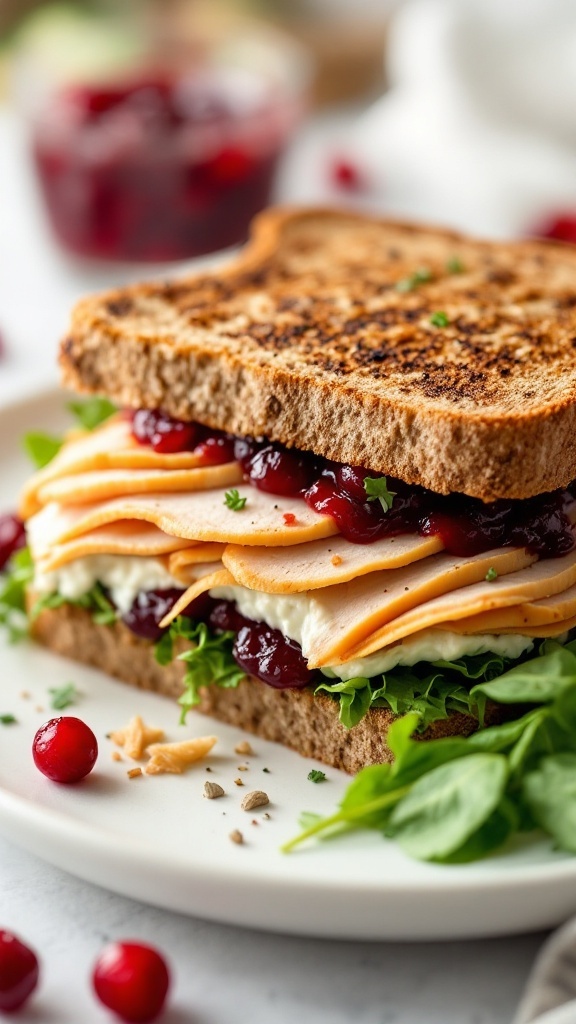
[25, 695]
[242, 767]
[212, 790]
[238, 782]
[256, 798]
[336, 560]
[244, 748]
[133, 773]
[135, 737]
[39, 709]
[177, 757]
[266, 815]
[116, 755]
[237, 837]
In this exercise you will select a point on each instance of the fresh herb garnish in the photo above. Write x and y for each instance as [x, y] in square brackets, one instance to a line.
[454, 800]
[41, 448]
[94, 601]
[92, 411]
[439, 319]
[8, 720]
[13, 583]
[209, 661]
[413, 281]
[315, 775]
[455, 265]
[63, 696]
[233, 500]
[377, 490]
[491, 575]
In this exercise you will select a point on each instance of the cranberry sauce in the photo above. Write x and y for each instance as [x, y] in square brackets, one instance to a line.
[167, 435]
[260, 650]
[365, 504]
[150, 606]
[158, 168]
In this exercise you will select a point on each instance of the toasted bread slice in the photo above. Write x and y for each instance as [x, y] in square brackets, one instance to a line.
[325, 334]
[296, 718]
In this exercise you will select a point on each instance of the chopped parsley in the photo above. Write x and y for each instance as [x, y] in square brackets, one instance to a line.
[454, 265]
[377, 490]
[63, 696]
[491, 575]
[409, 284]
[233, 500]
[439, 319]
[316, 776]
[8, 719]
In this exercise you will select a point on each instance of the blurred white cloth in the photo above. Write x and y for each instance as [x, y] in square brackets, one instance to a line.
[479, 125]
[550, 996]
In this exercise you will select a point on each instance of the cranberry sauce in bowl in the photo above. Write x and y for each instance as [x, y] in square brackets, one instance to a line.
[366, 505]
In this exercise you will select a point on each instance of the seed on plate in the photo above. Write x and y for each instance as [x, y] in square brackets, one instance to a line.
[256, 798]
[212, 790]
[243, 748]
[237, 837]
[242, 767]
[133, 773]
[238, 782]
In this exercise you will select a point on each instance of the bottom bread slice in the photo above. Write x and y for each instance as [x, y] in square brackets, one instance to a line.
[298, 719]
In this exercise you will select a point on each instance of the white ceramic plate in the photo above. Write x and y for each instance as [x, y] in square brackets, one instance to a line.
[159, 840]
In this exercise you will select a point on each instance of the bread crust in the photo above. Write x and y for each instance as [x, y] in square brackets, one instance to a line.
[296, 718]
[306, 339]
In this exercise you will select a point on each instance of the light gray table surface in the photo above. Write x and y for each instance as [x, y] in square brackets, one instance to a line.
[223, 974]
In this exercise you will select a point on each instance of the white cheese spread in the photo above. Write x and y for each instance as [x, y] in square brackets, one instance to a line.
[296, 615]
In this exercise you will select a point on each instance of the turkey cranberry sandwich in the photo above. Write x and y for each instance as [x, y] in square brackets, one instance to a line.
[337, 486]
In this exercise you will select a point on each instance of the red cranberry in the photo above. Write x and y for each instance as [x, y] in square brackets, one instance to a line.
[65, 749]
[561, 227]
[244, 449]
[19, 970]
[346, 175]
[270, 656]
[165, 434]
[12, 537]
[132, 980]
[216, 449]
[279, 471]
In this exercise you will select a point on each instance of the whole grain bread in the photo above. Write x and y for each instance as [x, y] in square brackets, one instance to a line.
[296, 718]
[324, 334]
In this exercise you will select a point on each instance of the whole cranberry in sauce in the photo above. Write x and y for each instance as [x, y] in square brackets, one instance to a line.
[270, 656]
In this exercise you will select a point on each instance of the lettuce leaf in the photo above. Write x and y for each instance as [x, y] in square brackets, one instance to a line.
[209, 660]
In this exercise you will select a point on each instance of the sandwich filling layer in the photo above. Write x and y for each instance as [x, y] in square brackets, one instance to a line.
[307, 569]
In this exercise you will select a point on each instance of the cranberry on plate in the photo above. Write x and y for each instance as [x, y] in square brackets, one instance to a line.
[132, 979]
[19, 971]
[65, 749]
[12, 536]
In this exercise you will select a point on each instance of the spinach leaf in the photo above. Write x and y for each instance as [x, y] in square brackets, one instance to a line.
[91, 412]
[550, 792]
[447, 805]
